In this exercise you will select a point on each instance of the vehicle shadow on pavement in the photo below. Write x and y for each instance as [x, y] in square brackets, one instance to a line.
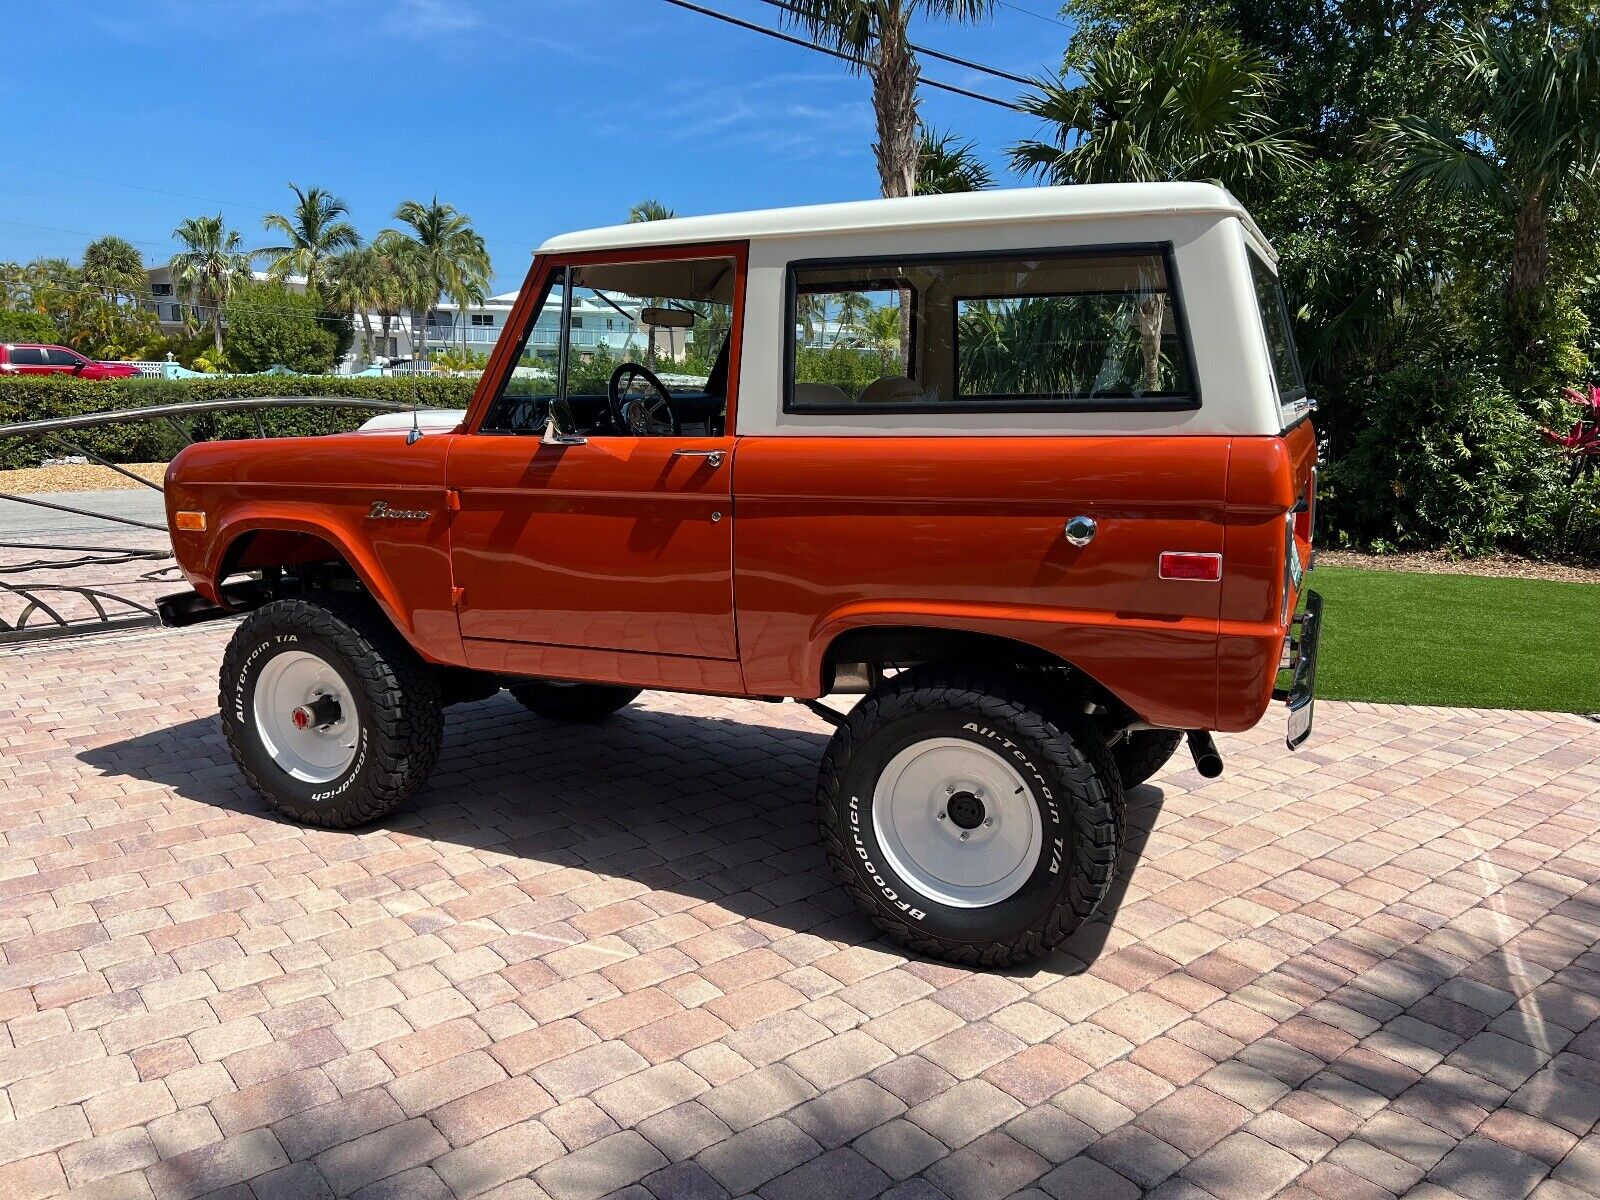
[710, 808]
[1431, 1014]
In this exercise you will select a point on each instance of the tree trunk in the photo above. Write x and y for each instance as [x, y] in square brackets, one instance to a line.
[1527, 287]
[216, 323]
[894, 101]
[1152, 312]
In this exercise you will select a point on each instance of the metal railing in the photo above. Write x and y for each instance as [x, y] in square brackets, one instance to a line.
[42, 607]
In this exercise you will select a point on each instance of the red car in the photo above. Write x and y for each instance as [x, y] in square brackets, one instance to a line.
[22, 358]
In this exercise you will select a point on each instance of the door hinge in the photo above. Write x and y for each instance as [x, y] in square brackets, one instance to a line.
[458, 596]
[452, 500]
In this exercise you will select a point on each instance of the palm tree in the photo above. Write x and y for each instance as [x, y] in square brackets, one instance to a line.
[649, 210]
[881, 332]
[313, 232]
[875, 34]
[1530, 147]
[210, 267]
[945, 165]
[115, 267]
[448, 258]
[811, 310]
[1198, 109]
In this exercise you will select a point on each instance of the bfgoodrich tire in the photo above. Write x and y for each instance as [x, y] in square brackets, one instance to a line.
[972, 818]
[1141, 754]
[329, 713]
[582, 703]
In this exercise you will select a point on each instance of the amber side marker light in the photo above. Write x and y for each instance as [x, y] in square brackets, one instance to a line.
[1189, 564]
[194, 521]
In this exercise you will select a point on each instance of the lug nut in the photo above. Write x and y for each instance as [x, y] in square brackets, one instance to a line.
[963, 837]
[941, 816]
[988, 823]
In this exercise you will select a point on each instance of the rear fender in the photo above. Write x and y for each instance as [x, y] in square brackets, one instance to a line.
[1129, 657]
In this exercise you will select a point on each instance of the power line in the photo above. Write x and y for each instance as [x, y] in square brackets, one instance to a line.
[753, 27]
[932, 53]
[1037, 16]
[21, 166]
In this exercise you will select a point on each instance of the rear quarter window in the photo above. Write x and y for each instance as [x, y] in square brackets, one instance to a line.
[1280, 336]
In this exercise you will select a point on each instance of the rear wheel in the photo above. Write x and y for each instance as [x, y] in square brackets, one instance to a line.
[583, 703]
[971, 818]
[328, 712]
[1141, 754]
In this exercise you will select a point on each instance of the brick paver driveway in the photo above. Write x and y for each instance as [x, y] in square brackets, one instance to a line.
[609, 958]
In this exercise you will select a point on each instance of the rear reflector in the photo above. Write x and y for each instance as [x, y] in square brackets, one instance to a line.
[194, 521]
[1189, 564]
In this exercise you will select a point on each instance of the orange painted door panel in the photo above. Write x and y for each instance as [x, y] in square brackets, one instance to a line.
[616, 544]
[969, 533]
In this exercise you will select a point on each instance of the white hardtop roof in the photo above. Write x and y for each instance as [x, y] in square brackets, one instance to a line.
[1028, 204]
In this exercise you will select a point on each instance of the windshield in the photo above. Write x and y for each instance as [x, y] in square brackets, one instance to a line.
[1280, 339]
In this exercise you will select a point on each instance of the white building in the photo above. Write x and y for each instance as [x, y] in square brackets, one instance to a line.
[476, 328]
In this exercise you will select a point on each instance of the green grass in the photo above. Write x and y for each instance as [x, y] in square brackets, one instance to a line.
[1462, 640]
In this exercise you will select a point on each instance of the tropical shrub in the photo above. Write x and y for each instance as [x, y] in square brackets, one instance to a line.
[269, 326]
[1443, 459]
[27, 327]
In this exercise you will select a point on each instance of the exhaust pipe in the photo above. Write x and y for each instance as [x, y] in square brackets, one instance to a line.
[1206, 759]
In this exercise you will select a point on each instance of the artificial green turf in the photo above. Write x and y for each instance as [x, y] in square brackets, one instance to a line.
[1464, 640]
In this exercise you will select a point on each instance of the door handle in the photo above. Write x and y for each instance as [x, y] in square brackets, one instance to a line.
[713, 457]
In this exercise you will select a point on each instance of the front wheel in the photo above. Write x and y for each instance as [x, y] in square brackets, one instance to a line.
[972, 818]
[328, 712]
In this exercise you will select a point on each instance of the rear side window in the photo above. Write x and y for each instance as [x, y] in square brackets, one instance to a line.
[1280, 338]
[1070, 330]
[27, 356]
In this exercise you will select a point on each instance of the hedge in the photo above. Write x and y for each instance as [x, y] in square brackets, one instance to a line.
[36, 397]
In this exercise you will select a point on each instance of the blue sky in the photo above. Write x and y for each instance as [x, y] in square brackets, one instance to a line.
[533, 116]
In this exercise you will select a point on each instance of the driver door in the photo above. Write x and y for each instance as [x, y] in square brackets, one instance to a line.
[598, 540]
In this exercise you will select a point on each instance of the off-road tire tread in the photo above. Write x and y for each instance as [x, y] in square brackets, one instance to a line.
[580, 704]
[1072, 745]
[1140, 755]
[407, 704]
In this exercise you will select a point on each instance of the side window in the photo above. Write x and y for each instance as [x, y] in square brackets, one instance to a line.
[27, 356]
[63, 358]
[522, 404]
[669, 318]
[853, 340]
[1280, 340]
[1052, 330]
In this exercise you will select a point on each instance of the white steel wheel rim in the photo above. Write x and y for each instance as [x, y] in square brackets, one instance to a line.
[916, 804]
[317, 753]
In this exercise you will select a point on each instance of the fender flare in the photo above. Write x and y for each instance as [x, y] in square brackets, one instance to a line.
[291, 519]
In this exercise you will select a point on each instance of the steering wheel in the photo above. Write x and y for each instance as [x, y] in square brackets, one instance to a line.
[641, 404]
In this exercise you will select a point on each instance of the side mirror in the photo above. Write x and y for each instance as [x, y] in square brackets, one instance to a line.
[559, 431]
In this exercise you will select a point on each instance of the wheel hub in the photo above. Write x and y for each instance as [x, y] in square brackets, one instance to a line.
[957, 822]
[320, 713]
[966, 810]
[305, 717]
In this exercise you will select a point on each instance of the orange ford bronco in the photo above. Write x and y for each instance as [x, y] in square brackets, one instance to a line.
[1030, 472]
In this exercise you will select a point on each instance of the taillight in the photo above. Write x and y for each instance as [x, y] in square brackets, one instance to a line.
[1190, 564]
